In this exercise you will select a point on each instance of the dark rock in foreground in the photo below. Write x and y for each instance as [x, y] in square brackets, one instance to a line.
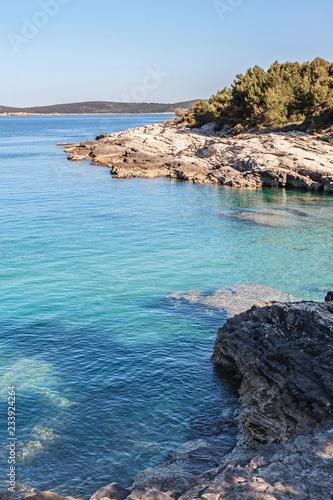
[283, 354]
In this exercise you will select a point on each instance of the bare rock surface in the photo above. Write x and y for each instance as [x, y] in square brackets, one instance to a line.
[114, 491]
[275, 159]
[49, 495]
[301, 469]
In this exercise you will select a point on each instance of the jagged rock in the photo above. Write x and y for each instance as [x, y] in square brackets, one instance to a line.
[329, 297]
[113, 491]
[188, 460]
[148, 494]
[155, 495]
[301, 469]
[262, 159]
[283, 355]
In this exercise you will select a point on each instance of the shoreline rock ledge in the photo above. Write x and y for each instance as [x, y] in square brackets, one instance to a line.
[283, 355]
[258, 159]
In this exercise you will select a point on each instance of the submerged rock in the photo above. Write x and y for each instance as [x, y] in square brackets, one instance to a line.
[271, 218]
[231, 300]
[262, 159]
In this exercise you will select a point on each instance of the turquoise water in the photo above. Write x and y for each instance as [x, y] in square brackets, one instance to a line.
[110, 375]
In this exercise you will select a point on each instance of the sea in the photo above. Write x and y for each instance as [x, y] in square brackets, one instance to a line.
[109, 373]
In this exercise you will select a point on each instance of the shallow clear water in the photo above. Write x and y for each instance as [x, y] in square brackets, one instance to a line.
[110, 375]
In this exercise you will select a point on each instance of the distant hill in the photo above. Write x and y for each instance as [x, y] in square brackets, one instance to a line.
[102, 107]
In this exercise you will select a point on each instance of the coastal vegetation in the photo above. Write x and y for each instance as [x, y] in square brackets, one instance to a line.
[287, 93]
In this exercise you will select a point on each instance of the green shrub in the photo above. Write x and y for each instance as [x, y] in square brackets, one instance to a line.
[239, 128]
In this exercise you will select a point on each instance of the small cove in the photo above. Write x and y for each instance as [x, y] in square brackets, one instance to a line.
[110, 375]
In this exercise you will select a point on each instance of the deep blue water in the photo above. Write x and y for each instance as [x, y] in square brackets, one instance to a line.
[110, 375]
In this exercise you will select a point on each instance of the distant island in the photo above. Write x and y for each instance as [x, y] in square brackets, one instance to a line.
[99, 107]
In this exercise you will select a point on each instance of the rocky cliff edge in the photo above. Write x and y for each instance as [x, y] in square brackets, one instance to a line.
[253, 160]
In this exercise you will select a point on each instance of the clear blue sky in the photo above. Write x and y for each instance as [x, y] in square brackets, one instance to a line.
[107, 49]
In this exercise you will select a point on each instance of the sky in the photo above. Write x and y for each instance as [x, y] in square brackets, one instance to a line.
[58, 51]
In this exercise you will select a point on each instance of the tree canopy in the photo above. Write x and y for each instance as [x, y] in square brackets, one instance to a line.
[286, 93]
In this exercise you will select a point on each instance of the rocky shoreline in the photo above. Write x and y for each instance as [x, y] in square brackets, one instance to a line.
[286, 159]
[278, 351]
[280, 354]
